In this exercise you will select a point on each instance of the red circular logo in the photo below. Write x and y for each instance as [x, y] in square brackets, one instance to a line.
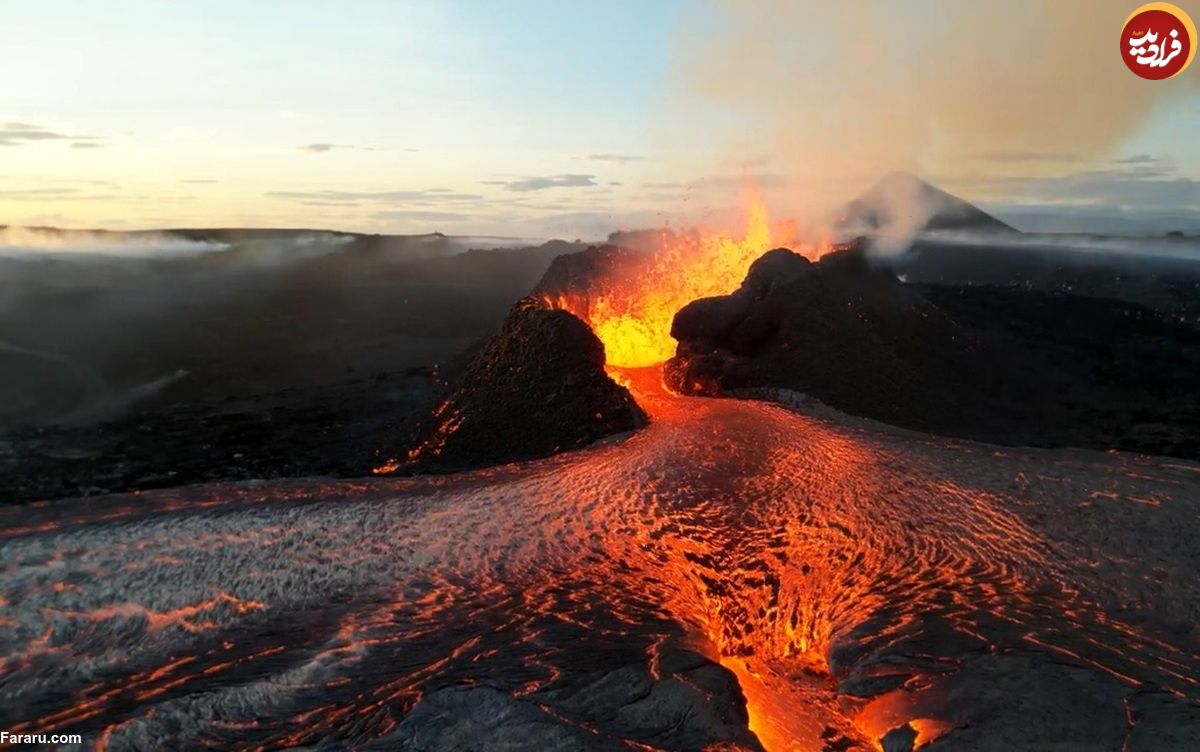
[1158, 41]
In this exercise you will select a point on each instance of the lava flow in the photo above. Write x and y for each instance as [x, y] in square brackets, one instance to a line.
[632, 313]
[855, 580]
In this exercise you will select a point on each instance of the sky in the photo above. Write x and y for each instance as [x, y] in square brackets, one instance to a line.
[538, 119]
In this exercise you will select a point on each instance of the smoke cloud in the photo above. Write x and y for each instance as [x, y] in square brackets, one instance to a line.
[844, 93]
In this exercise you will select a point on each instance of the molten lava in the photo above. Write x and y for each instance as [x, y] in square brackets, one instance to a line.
[632, 316]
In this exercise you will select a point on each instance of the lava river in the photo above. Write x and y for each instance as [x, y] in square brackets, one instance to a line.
[854, 579]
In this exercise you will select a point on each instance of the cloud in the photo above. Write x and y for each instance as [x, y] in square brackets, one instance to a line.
[1030, 156]
[616, 158]
[915, 93]
[1088, 183]
[17, 134]
[38, 194]
[1142, 197]
[429, 196]
[322, 148]
[569, 180]
[87, 145]
[71, 181]
[1150, 190]
[75, 194]
[1137, 159]
[197, 181]
[597, 224]
[423, 215]
[1100, 219]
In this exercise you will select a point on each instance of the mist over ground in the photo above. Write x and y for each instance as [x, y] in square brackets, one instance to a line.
[93, 323]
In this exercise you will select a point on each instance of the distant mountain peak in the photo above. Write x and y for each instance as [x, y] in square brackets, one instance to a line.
[902, 205]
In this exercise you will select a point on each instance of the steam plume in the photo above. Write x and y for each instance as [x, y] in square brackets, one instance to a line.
[846, 92]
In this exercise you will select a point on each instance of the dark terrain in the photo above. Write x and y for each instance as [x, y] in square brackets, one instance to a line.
[535, 388]
[281, 355]
[1002, 364]
[343, 429]
[732, 576]
[313, 353]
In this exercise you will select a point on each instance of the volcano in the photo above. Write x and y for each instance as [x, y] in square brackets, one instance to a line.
[903, 203]
[737, 566]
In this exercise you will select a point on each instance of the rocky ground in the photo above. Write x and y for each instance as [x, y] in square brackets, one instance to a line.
[734, 575]
[998, 364]
[1007, 346]
[534, 388]
[339, 430]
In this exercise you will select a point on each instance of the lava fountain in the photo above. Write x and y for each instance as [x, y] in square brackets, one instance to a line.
[632, 312]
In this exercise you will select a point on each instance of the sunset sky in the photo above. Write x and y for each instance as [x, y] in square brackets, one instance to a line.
[540, 119]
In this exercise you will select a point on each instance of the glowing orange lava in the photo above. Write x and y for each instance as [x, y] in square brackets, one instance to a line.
[632, 317]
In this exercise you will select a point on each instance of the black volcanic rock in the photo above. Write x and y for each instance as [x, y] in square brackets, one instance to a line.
[537, 387]
[1003, 365]
[589, 272]
[899, 739]
[904, 201]
[690, 703]
[839, 330]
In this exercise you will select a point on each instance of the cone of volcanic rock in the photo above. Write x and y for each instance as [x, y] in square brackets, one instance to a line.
[537, 387]
[839, 330]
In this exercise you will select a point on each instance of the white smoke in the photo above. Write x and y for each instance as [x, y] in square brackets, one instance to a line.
[832, 95]
[19, 241]
[1183, 248]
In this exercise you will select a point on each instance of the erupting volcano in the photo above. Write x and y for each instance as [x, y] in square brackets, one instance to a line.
[630, 306]
[735, 575]
[337, 414]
